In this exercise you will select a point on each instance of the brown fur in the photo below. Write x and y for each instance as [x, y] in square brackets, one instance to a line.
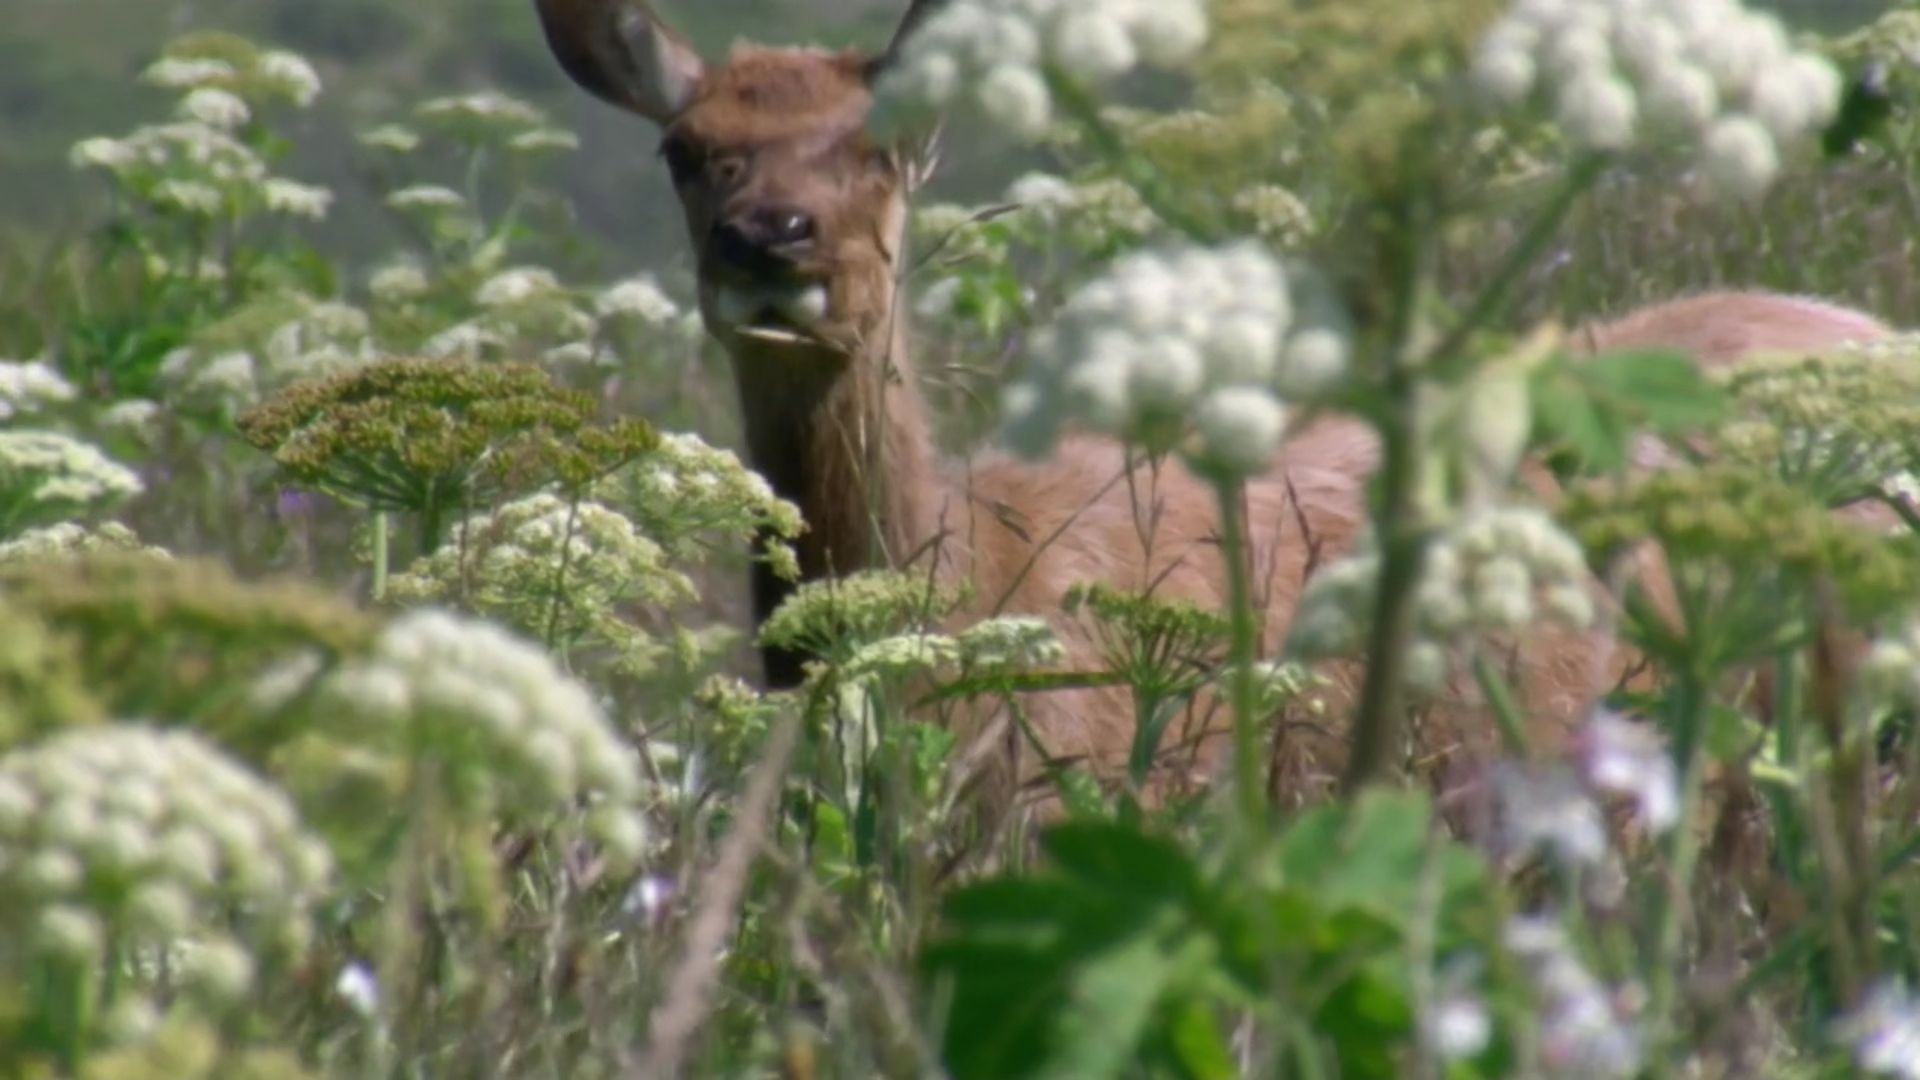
[837, 423]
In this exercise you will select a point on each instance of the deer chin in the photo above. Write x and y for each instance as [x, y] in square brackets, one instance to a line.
[793, 314]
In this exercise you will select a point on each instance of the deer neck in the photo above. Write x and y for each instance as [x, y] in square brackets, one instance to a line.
[846, 439]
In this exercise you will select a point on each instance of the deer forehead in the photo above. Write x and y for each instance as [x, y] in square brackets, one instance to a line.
[764, 97]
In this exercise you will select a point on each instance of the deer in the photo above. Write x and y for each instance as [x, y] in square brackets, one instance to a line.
[797, 222]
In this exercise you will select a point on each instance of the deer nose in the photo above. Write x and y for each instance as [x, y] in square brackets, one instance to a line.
[764, 238]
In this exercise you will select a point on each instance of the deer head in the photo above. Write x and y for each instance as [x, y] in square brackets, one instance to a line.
[795, 216]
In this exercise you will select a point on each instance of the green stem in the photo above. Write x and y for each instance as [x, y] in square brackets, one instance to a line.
[1147, 181]
[1450, 357]
[1685, 714]
[380, 545]
[1506, 711]
[1250, 793]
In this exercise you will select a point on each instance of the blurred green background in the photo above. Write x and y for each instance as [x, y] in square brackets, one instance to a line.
[68, 69]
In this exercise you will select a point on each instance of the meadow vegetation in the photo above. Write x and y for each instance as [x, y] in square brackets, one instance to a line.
[377, 698]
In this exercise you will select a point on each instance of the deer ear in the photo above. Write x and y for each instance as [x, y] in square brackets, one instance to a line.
[918, 12]
[620, 51]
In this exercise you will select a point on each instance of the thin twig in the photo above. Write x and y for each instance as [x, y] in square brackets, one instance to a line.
[675, 1020]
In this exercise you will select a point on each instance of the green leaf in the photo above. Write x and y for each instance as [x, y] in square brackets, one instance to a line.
[1195, 1043]
[1109, 999]
[1589, 409]
[1369, 854]
[1059, 974]
[1103, 855]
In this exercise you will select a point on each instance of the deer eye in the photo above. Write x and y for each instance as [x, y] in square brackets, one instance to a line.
[684, 161]
[727, 169]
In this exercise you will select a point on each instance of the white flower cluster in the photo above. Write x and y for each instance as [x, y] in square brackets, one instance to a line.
[216, 108]
[686, 493]
[179, 73]
[30, 386]
[1548, 808]
[481, 116]
[71, 538]
[559, 570]
[544, 141]
[1884, 1032]
[1582, 1032]
[196, 166]
[220, 381]
[1621, 71]
[512, 735]
[1622, 757]
[46, 476]
[1168, 340]
[393, 138]
[325, 338]
[295, 199]
[1495, 571]
[398, 282]
[1011, 641]
[517, 285]
[428, 198]
[638, 298]
[136, 417]
[1892, 666]
[229, 370]
[160, 839]
[993, 55]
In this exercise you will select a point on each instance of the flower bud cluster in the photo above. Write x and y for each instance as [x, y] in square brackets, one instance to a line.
[46, 477]
[993, 55]
[1496, 571]
[1172, 342]
[1621, 72]
[511, 734]
[149, 837]
[554, 569]
[30, 386]
[684, 494]
[72, 538]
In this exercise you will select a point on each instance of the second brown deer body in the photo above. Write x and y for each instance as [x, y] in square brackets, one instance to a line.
[797, 221]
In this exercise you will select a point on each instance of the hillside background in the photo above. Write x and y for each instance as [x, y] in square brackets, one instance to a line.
[68, 69]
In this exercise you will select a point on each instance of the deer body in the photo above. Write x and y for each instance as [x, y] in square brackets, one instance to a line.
[798, 222]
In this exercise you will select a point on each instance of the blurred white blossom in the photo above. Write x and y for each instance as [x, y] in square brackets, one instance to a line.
[639, 298]
[992, 55]
[215, 108]
[1583, 1034]
[393, 137]
[46, 476]
[28, 386]
[481, 116]
[173, 73]
[427, 197]
[397, 282]
[1884, 1032]
[1710, 72]
[511, 734]
[1495, 571]
[72, 538]
[544, 140]
[296, 199]
[516, 286]
[1622, 757]
[1165, 344]
[158, 834]
[290, 75]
